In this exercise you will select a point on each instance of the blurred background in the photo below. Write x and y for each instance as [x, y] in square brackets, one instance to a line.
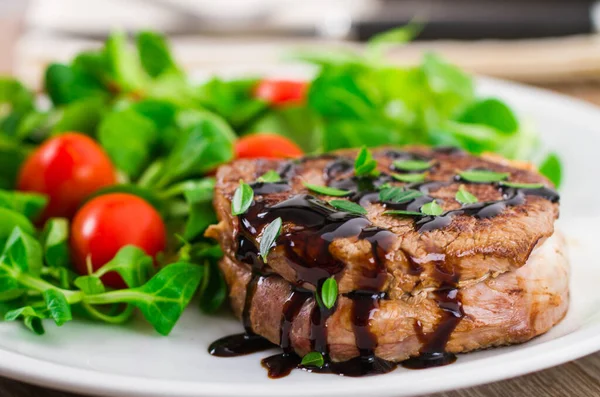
[549, 43]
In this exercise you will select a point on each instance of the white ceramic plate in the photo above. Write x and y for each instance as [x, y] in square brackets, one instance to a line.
[135, 361]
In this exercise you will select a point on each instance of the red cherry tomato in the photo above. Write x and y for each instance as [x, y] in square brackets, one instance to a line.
[67, 168]
[109, 222]
[281, 92]
[266, 146]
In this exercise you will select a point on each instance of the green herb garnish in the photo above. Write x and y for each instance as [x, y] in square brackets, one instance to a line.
[364, 164]
[464, 197]
[329, 292]
[313, 359]
[242, 199]
[409, 178]
[326, 190]
[552, 169]
[269, 236]
[519, 185]
[412, 165]
[483, 176]
[348, 206]
[398, 195]
[432, 208]
[403, 213]
[270, 176]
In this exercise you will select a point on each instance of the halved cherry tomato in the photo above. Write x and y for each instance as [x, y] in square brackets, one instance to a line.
[109, 222]
[266, 146]
[281, 92]
[67, 168]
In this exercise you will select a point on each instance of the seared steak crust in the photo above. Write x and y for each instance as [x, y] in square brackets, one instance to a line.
[469, 247]
[474, 276]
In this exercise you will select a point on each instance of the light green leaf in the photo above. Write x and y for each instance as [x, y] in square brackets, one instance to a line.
[58, 307]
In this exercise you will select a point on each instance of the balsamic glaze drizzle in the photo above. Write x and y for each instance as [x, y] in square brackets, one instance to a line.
[316, 226]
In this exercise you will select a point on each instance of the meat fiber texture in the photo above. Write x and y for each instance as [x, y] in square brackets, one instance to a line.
[511, 270]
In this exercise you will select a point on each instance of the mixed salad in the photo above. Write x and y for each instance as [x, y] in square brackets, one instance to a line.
[106, 180]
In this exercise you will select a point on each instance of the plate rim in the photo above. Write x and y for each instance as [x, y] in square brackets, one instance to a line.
[525, 359]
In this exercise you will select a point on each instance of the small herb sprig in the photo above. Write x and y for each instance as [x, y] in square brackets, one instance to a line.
[329, 292]
[432, 208]
[313, 359]
[365, 165]
[242, 199]
[464, 197]
[270, 176]
[395, 194]
[483, 176]
[348, 206]
[326, 190]
[409, 178]
[412, 165]
[269, 237]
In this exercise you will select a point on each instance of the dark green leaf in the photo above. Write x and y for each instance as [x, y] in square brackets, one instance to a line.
[213, 291]
[242, 199]
[31, 318]
[163, 298]
[129, 139]
[234, 101]
[207, 142]
[483, 176]
[154, 53]
[432, 208]
[270, 176]
[89, 284]
[402, 213]
[551, 168]
[269, 237]
[464, 197]
[412, 165]
[326, 190]
[56, 242]
[23, 252]
[66, 85]
[28, 204]
[396, 194]
[409, 178]
[132, 264]
[12, 155]
[329, 292]
[82, 116]
[348, 206]
[58, 307]
[198, 195]
[162, 113]
[295, 122]
[493, 113]
[10, 220]
[313, 359]
[14, 94]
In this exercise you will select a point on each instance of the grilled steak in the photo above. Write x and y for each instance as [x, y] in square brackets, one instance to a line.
[412, 284]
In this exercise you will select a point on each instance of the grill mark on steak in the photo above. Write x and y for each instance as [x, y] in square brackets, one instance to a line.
[315, 225]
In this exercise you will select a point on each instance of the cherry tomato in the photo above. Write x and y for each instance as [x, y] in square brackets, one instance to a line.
[281, 92]
[67, 168]
[266, 146]
[109, 222]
